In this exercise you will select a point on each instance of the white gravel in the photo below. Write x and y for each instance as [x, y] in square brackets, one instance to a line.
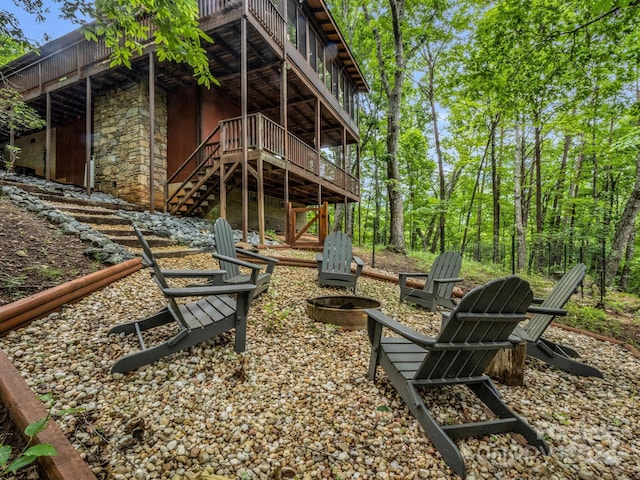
[297, 404]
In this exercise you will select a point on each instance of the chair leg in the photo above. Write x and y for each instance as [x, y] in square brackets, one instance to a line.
[561, 349]
[160, 318]
[488, 394]
[443, 442]
[542, 352]
[144, 357]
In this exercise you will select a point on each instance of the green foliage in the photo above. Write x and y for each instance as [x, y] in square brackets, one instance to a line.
[172, 25]
[591, 319]
[30, 453]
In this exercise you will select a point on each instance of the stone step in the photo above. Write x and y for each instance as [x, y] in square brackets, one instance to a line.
[154, 242]
[61, 199]
[118, 230]
[72, 209]
[101, 219]
[177, 252]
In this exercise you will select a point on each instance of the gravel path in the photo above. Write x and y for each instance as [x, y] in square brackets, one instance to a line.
[297, 404]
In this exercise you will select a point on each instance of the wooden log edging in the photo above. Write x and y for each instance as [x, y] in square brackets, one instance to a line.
[21, 402]
[25, 310]
[633, 350]
[25, 408]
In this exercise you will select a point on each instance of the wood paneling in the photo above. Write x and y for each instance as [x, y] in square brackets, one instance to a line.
[182, 127]
[70, 151]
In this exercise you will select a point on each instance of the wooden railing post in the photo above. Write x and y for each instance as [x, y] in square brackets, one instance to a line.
[323, 226]
[260, 131]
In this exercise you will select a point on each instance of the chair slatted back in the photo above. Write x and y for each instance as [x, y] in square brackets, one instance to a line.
[337, 253]
[446, 265]
[558, 297]
[225, 245]
[150, 259]
[478, 327]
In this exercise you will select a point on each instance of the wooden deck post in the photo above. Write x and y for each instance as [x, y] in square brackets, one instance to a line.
[87, 136]
[47, 147]
[152, 131]
[245, 154]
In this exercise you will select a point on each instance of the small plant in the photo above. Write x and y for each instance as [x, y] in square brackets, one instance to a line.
[46, 272]
[11, 281]
[30, 453]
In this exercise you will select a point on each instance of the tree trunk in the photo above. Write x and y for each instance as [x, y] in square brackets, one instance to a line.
[495, 187]
[394, 96]
[521, 246]
[624, 229]
[436, 137]
[626, 270]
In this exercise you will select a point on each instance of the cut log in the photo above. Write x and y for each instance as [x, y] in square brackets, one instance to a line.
[508, 365]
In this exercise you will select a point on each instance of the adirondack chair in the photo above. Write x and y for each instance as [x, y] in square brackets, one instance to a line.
[334, 263]
[479, 326]
[213, 313]
[552, 353]
[438, 286]
[227, 255]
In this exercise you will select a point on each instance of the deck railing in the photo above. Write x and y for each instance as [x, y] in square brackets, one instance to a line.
[264, 134]
[69, 61]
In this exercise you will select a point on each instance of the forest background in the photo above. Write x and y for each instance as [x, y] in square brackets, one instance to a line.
[507, 130]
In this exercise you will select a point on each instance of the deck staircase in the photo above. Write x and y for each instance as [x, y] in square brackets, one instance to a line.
[194, 197]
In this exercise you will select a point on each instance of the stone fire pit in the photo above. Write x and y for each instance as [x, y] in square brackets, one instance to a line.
[345, 311]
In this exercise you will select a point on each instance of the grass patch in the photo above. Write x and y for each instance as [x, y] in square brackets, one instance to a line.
[47, 273]
[591, 319]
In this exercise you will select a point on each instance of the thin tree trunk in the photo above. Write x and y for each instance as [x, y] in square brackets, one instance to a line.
[436, 137]
[521, 247]
[495, 188]
[473, 196]
[394, 96]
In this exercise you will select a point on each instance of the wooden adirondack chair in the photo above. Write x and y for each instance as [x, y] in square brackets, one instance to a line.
[334, 263]
[227, 255]
[214, 313]
[479, 326]
[552, 353]
[438, 286]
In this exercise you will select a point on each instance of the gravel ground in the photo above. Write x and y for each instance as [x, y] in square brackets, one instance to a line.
[297, 404]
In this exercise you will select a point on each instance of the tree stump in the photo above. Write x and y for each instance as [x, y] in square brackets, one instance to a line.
[508, 365]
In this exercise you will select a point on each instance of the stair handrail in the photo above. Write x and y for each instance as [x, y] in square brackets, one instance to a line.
[195, 153]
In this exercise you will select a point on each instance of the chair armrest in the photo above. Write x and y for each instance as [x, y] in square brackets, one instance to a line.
[403, 276]
[414, 274]
[547, 311]
[205, 291]
[399, 328]
[359, 265]
[237, 261]
[270, 261]
[447, 280]
[537, 301]
[193, 273]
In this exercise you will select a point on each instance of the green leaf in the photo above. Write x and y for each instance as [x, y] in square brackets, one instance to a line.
[5, 451]
[20, 462]
[382, 408]
[36, 427]
[41, 450]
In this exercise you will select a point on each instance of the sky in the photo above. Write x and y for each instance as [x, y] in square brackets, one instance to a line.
[54, 26]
